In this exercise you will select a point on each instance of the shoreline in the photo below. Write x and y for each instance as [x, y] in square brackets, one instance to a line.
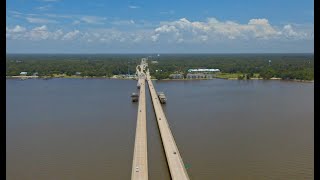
[277, 79]
[48, 77]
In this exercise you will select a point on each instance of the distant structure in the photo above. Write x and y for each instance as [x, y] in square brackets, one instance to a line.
[131, 76]
[23, 73]
[209, 76]
[204, 70]
[199, 76]
[176, 76]
[78, 73]
[196, 76]
[154, 62]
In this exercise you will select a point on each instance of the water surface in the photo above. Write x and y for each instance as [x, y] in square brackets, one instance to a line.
[225, 129]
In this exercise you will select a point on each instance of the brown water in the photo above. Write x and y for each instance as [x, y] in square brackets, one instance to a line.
[84, 129]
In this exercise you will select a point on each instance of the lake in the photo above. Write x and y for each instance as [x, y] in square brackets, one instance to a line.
[224, 129]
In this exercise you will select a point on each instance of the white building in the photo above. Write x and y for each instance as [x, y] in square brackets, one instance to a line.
[204, 70]
[23, 73]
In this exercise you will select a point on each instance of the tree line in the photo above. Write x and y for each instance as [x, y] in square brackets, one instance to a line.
[284, 66]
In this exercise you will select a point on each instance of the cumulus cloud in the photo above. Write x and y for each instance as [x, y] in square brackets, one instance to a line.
[16, 32]
[111, 35]
[56, 35]
[290, 33]
[262, 28]
[16, 29]
[155, 37]
[71, 35]
[212, 29]
[39, 33]
[180, 31]
[34, 34]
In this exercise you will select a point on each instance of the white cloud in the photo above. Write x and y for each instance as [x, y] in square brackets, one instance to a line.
[75, 22]
[40, 20]
[44, 8]
[93, 19]
[42, 33]
[262, 28]
[133, 7]
[108, 35]
[14, 12]
[38, 33]
[155, 37]
[41, 28]
[35, 34]
[123, 22]
[203, 38]
[166, 29]
[16, 29]
[213, 30]
[59, 16]
[288, 31]
[57, 34]
[179, 31]
[15, 33]
[71, 35]
[111, 35]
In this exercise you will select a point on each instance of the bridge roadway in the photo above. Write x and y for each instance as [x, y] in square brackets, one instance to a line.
[175, 163]
[140, 159]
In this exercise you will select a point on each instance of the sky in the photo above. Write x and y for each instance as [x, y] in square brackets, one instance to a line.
[144, 26]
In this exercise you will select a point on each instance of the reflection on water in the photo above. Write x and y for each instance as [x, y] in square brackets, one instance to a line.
[225, 129]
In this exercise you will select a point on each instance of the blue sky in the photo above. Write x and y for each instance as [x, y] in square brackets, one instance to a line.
[189, 26]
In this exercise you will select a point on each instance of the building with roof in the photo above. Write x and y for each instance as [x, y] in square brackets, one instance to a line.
[196, 76]
[176, 76]
[204, 70]
[23, 73]
[199, 76]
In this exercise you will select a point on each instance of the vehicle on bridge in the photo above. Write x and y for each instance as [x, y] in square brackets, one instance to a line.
[135, 97]
[162, 97]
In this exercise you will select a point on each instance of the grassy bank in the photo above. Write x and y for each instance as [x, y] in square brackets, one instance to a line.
[223, 75]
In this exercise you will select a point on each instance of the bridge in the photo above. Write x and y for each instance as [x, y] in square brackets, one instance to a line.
[174, 159]
[140, 155]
